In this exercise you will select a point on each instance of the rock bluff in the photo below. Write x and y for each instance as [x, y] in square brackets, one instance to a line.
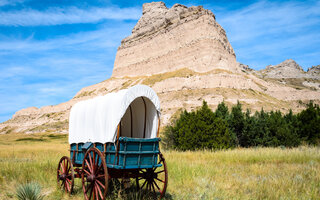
[166, 40]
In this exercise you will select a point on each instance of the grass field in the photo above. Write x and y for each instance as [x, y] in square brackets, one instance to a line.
[256, 173]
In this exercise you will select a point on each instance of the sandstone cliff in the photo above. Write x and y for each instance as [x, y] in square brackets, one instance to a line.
[185, 56]
[170, 39]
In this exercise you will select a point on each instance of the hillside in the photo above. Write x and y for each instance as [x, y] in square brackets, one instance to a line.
[185, 56]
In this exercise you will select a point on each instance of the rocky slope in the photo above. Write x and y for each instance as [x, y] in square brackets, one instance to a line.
[185, 56]
[291, 73]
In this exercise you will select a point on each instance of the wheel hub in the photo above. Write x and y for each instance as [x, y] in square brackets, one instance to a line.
[150, 175]
[63, 177]
[91, 178]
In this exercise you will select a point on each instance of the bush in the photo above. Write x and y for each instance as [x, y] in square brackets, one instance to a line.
[29, 191]
[200, 129]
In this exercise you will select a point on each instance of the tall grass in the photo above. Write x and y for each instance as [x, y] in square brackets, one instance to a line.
[256, 173]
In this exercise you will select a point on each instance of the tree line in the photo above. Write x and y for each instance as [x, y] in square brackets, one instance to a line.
[224, 128]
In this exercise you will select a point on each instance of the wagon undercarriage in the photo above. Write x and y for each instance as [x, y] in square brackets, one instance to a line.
[96, 176]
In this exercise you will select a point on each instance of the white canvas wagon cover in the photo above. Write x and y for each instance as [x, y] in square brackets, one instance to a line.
[137, 109]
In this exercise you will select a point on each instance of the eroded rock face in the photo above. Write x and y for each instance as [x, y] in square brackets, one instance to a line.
[314, 72]
[287, 69]
[169, 39]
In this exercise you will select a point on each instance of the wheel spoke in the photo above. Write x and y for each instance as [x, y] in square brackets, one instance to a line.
[67, 166]
[101, 184]
[90, 160]
[86, 172]
[137, 184]
[144, 184]
[160, 172]
[98, 169]
[65, 185]
[96, 192]
[101, 176]
[156, 185]
[88, 165]
[99, 190]
[160, 180]
[153, 188]
[68, 186]
[62, 167]
[62, 183]
[93, 160]
[88, 187]
[91, 191]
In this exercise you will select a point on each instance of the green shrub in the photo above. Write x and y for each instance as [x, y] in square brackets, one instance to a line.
[29, 191]
[200, 129]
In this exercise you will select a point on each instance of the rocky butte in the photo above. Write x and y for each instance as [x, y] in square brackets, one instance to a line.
[185, 56]
[166, 40]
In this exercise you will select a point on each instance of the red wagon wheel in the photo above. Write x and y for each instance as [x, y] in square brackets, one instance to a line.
[155, 179]
[94, 175]
[65, 174]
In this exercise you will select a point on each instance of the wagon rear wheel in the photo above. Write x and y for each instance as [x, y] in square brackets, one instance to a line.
[155, 180]
[94, 175]
[65, 174]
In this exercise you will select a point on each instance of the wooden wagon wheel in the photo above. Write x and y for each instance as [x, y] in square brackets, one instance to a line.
[65, 174]
[155, 179]
[94, 175]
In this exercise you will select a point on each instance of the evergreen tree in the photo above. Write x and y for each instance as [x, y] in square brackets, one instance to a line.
[309, 124]
[236, 122]
[222, 111]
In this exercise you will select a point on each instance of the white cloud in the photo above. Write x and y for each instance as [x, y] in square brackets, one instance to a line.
[10, 2]
[71, 15]
[102, 38]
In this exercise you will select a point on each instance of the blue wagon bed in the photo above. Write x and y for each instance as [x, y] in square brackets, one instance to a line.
[115, 137]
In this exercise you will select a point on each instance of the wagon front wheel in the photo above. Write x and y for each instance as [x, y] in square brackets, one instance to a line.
[94, 175]
[65, 174]
[154, 180]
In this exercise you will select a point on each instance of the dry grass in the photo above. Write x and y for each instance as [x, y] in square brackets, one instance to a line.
[151, 80]
[257, 173]
[84, 94]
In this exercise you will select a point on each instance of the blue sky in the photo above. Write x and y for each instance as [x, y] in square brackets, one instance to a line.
[51, 49]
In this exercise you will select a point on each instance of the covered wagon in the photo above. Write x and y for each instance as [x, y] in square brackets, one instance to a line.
[115, 136]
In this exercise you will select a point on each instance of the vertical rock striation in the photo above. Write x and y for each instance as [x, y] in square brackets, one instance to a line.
[166, 40]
